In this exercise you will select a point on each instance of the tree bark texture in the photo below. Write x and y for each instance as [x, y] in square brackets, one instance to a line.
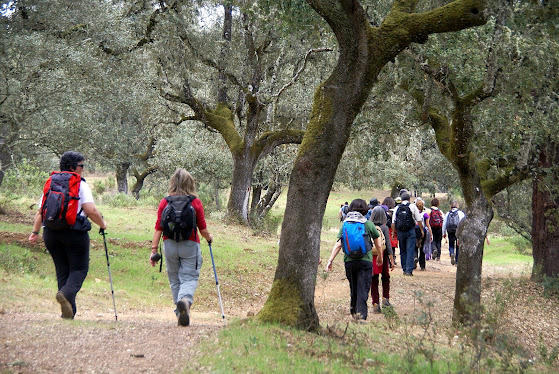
[363, 51]
[545, 215]
[122, 177]
[243, 167]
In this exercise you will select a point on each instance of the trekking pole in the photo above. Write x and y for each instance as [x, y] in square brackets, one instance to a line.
[102, 232]
[216, 281]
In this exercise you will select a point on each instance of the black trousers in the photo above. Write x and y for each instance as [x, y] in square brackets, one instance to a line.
[69, 250]
[437, 239]
[359, 275]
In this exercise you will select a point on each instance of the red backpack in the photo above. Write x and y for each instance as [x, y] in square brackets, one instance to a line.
[59, 206]
[436, 218]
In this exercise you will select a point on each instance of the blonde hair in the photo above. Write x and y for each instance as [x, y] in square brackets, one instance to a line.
[182, 183]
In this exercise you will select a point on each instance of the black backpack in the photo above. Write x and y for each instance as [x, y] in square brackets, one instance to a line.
[404, 218]
[178, 219]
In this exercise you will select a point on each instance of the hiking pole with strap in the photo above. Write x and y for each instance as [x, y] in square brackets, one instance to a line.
[102, 232]
[216, 281]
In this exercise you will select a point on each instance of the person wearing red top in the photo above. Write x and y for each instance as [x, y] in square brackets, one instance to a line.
[183, 258]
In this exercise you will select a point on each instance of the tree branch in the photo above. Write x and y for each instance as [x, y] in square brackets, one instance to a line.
[271, 139]
[301, 69]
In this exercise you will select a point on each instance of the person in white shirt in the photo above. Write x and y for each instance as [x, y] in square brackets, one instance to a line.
[450, 224]
[69, 246]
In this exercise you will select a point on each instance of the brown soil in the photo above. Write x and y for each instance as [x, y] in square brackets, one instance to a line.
[34, 339]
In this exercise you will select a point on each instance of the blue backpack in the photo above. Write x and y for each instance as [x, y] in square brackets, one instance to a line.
[355, 239]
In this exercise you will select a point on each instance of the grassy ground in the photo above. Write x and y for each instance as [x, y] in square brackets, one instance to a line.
[414, 337]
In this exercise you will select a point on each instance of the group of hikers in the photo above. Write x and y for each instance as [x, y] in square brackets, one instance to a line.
[368, 236]
[64, 209]
[371, 233]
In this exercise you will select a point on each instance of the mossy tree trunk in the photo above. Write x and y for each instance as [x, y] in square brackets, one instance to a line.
[363, 51]
[545, 214]
[122, 177]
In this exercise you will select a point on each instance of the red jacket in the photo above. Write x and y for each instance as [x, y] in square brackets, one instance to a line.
[200, 220]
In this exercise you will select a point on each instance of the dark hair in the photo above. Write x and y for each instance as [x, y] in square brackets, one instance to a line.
[69, 160]
[359, 205]
[373, 202]
[435, 202]
[405, 195]
[389, 202]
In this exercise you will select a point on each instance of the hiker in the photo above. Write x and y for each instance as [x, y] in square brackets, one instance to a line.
[391, 204]
[182, 253]
[436, 218]
[404, 220]
[422, 241]
[358, 265]
[372, 203]
[378, 217]
[344, 209]
[450, 225]
[67, 238]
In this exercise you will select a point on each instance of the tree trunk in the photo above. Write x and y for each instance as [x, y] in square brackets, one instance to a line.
[216, 196]
[255, 200]
[471, 236]
[269, 199]
[363, 51]
[237, 207]
[122, 177]
[545, 216]
[138, 185]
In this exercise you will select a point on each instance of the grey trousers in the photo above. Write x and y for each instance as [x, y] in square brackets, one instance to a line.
[184, 260]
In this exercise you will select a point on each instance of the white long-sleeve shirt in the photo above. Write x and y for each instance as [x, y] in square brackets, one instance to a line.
[461, 216]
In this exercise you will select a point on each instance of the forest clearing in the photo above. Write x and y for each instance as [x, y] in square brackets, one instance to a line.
[519, 324]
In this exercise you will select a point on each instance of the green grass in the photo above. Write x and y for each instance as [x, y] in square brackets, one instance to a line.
[502, 251]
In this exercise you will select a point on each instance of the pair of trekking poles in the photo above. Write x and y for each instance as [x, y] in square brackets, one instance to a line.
[102, 232]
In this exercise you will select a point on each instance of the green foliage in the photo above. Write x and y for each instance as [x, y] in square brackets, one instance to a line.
[551, 286]
[25, 179]
[124, 200]
[99, 187]
[267, 225]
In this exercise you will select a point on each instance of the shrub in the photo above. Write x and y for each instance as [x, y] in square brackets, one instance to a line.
[120, 200]
[99, 187]
[24, 179]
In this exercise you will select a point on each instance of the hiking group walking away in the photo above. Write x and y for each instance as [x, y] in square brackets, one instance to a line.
[369, 236]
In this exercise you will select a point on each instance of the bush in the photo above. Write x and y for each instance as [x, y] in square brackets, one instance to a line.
[99, 187]
[120, 200]
[267, 225]
[24, 179]
[521, 245]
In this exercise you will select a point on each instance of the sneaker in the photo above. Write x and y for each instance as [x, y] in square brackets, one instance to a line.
[452, 261]
[376, 308]
[183, 309]
[385, 303]
[422, 269]
[408, 274]
[65, 306]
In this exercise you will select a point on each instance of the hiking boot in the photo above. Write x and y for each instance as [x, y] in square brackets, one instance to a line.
[386, 303]
[408, 274]
[65, 306]
[452, 261]
[376, 309]
[183, 315]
